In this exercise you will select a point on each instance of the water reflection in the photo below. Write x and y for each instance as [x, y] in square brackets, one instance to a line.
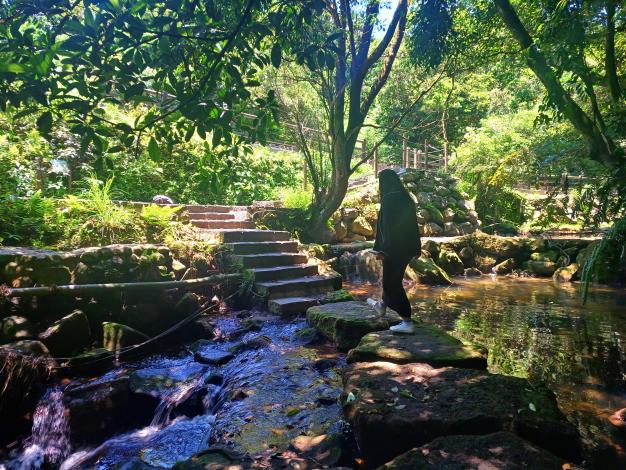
[541, 330]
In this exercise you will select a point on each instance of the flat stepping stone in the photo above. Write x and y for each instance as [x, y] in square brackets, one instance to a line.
[501, 450]
[345, 323]
[393, 408]
[429, 344]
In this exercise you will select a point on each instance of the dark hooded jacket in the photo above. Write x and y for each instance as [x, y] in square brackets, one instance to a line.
[397, 233]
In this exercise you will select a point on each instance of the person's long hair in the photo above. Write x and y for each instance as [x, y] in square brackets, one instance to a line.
[390, 185]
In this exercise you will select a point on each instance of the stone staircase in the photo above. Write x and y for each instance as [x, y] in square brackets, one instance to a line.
[285, 277]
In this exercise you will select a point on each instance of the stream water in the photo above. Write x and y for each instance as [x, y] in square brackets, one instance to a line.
[291, 387]
[280, 385]
[540, 330]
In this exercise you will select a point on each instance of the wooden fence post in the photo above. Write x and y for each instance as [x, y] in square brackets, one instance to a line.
[405, 152]
[376, 161]
[426, 164]
[305, 176]
[363, 149]
[445, 156]
[415, 159]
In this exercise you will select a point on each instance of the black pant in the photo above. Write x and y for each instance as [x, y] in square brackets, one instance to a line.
[394, 294]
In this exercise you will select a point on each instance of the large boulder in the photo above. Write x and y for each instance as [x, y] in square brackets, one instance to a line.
[501, 450]
[432, 247]
[436, 216]
[450, 229]
[566, 274]
[428, 272]
[431, 229]
[466, 228]
[98, 410]
[429, 344]
[15, 328]
[68, 336]
[450, 262]
[361, 226]
[393, 408]
[485, 264]
[505, 267]
[550, 255]
[345, 323]
[367, 266]
[541, 268]
[500, 248]
[448, 215]
[423, 216]
[341, 231]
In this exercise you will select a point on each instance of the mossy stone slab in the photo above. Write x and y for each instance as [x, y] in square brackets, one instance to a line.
[345, 323]
[429, 344]
[393, 408]
[494, 451]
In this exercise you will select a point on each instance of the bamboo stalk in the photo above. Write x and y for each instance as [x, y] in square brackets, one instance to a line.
[76, 289]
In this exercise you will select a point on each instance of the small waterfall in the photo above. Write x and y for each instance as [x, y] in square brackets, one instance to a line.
[170, 400]
[49, 442]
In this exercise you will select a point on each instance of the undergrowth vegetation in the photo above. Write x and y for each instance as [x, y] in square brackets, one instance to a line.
[90, 218]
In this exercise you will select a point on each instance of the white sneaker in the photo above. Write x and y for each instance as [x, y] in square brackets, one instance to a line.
[379, 306]
[406, 327]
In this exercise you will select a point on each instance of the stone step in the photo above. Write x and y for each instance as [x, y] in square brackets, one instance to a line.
[287, 306]
[345, 323]
[428, 344]
[268, 260]
[250, 248]
[301, 286]
[223, 224]
[211, 216]
[429, 402]
[277, 273]
[196, 208]
[238, 236]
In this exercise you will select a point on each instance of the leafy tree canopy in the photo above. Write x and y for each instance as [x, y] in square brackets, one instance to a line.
[190, 65]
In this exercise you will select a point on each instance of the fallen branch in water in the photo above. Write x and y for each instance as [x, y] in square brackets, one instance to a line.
[85, 289]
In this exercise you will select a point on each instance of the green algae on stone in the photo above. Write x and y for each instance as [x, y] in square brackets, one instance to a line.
[345, 323]
[429, 344]
[117, 336]
[341, 295]
[428, 272]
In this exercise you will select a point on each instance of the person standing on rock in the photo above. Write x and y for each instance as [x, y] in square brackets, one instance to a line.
[397, 242]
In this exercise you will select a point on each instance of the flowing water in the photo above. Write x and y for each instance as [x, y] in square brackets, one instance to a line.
[540, 330]
[279, 385]
[49, 442]
[275, 369]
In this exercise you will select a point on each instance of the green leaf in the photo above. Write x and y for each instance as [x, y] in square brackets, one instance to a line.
[153, 149]
[276, 55]
[44, 123]
[12, 67]
[89, 19]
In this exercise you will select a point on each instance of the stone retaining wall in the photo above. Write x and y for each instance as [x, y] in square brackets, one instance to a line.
[442, 209]
[67, 325]
[479, 254]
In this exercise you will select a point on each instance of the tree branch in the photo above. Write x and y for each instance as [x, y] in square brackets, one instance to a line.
[398, 15]
[387, 66]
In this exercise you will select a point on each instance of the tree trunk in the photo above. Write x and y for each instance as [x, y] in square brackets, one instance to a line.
[329, 201]
[601, 147]
[610, 62]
